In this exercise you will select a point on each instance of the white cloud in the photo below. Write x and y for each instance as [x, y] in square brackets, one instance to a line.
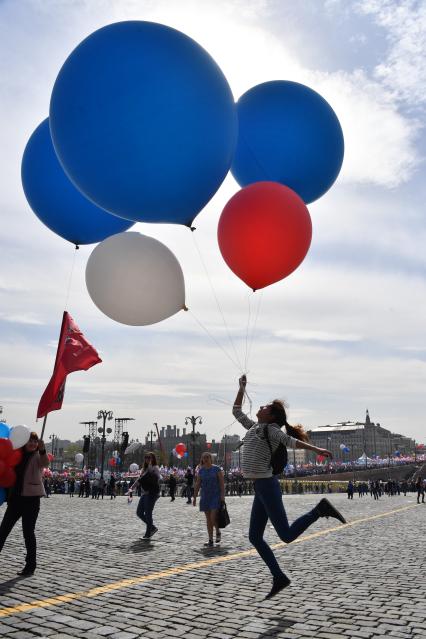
[28, 318]
[403, 70]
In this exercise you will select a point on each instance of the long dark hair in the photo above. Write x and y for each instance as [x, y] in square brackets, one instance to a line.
[280, 417]
[153, 460]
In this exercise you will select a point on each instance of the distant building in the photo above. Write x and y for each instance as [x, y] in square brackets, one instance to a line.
[171, 436]
[360, 437]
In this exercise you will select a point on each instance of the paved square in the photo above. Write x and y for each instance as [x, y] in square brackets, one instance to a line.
[97, 578]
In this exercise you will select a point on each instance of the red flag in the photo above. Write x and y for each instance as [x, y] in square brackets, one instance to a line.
[74, 354]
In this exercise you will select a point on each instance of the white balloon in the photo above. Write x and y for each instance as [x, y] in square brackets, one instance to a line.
[79, 458]
[135, 279]
[19, 436]
[133, 468]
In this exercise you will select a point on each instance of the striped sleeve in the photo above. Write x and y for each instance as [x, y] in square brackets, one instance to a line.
[279, 436]
[242, 417]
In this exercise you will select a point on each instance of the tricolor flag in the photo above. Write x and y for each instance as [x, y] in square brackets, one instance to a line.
[74, 354]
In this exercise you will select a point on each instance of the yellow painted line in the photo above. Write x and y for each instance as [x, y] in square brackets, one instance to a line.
[170, 572]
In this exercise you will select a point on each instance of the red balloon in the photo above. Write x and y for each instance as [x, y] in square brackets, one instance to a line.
[15, 457]
[50, 457]
[6, 448]
[8, 478]
[264, 233]
[112, 461]
[180, 449]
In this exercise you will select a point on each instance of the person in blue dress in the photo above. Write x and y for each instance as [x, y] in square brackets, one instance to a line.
[211, 482]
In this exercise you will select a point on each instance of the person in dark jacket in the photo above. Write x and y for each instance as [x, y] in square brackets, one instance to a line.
[24, 499]
[172, 486]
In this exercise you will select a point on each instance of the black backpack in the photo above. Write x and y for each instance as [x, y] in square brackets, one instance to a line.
[149, 482]
[279, 457]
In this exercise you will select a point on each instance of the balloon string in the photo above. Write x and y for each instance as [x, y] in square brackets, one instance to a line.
[215, 340]
[254, 327]
[70, 276]
[247, 332]
[218, 304]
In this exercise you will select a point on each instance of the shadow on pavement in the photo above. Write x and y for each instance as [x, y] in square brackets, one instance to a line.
[5, 586]
[281, 624]
[212, 552]
[139, 546]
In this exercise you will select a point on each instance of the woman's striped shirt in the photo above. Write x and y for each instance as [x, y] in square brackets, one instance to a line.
[256, 455]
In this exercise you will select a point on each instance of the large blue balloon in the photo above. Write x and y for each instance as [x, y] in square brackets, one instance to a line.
[288, 133]
[4, 430]
[56, 201]
[144, 122]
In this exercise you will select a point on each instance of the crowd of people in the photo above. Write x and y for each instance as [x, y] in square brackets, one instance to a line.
[264, 459]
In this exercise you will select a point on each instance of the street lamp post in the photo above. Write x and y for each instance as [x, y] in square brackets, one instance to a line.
[151, 436]
[104, 415]
[54, 443]
[193, 420]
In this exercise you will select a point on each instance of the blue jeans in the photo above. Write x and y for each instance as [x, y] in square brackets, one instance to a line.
[145, 507]
[268, 504]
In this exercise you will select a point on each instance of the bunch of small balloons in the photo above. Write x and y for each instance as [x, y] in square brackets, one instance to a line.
[12, 439]
[143, 127]
[180, 451]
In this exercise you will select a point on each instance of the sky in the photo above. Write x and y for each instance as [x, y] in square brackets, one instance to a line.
[344, 333]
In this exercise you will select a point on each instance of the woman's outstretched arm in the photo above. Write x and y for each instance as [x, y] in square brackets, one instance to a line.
[315, 449]
[241, 390]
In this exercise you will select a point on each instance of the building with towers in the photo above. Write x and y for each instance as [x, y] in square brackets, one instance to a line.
[361, 438]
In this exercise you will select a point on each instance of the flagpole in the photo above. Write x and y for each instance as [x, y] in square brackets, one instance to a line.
[44, 426]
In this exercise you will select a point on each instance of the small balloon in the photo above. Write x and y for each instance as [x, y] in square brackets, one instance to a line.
[79, 457]
[50, 457]
[135, 279]
[180, 448]
[19, 436]
[133, 468]
[4, 430]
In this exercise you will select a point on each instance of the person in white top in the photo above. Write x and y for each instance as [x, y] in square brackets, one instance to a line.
[256, 465]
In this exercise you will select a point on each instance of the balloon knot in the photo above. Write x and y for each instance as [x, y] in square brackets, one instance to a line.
[77, 247]
[193, 228]
[185, 308]
[254, 290]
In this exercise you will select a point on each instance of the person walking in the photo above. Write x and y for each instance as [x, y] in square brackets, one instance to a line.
[262, 437]
[101, 488]
[211, 482]
[112, 486]
[189, 478]
[172, 485]
[24, 499]
[350, 490]
[420, 490]
[71, 487]
[149, 484]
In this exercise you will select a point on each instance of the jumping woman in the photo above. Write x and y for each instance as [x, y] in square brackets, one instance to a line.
[256, 465]
[210, 480]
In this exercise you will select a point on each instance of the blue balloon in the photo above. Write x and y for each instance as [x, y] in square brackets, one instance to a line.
[2, 495]
[144, 122]
[289, 134]
[56, 201]
[4, 430]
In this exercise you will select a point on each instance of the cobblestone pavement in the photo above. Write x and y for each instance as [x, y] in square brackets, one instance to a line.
[97, 578]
